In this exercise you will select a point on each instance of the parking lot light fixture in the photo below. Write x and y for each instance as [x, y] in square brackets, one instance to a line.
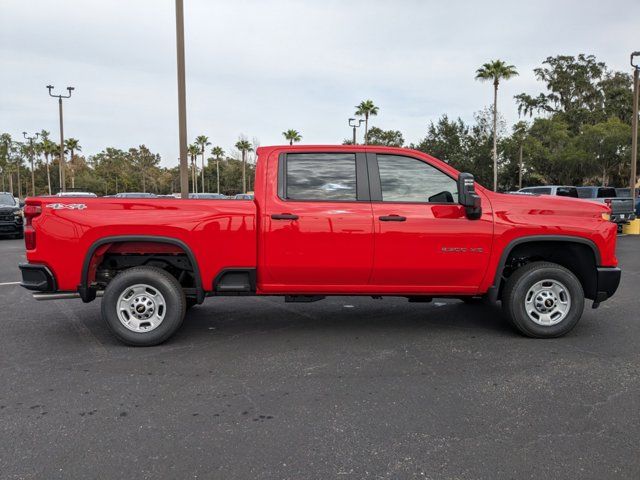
[31, 153]
[355, 124]
[634, 126]
[61, 165]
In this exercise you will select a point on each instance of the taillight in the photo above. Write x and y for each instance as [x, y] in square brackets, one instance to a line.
[30, 212]
[608, 201]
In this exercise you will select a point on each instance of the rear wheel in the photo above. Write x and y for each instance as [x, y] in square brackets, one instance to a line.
[543, 300]
[143, 306]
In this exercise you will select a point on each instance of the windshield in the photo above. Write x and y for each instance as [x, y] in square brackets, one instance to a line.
[7, 199]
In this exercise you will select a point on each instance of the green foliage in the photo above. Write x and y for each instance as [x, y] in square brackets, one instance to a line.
[388, 138]
[292, 136]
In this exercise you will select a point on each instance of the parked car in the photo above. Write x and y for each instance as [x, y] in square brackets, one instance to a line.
[207, 196]
[333, 220]
[626, 192]
[75, 194]
[559, 190]
[622, 208]
[135, 195]
[243, 196]
[11, 219]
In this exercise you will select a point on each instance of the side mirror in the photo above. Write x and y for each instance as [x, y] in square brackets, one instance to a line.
[467, 196]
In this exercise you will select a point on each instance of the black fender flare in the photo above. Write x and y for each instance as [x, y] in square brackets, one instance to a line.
[88, 293]
[494, 289]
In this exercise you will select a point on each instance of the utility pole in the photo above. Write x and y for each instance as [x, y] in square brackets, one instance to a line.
[61, 166]
[31, 152]
[182, 101]
[352, 123]
[634, 127]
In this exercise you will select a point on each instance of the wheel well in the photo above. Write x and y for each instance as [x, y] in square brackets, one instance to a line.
[579, 258]
[108, 258]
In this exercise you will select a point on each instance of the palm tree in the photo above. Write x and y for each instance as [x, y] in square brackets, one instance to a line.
[218, 153]
[495, 71]
[202, 141]
[48, 148]
[366, 109]
[244, 146]
[194, 150]
[72, 145]
[292, 136]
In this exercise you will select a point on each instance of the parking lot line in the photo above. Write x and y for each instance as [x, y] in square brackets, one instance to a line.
[9, 283]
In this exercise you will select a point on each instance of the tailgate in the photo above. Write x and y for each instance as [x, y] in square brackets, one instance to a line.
[621, 205]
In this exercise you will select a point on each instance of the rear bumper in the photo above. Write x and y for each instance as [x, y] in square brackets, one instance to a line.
[608, 279]
[37, 277]
[622, 217]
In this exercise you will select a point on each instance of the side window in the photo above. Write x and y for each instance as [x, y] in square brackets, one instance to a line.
[542, 191]
[567, 192]
[321, 176]
[405, 179]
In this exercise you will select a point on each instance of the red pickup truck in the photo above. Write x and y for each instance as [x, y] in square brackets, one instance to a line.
[325, 220]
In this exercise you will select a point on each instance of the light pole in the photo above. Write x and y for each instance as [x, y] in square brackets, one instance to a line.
[33, 175]
[634, 127]
[352, 123]
[182, 101]
[60, 97]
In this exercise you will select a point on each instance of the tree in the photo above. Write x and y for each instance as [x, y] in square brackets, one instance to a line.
[292, 136]
[519, 136]
[578, 89]
[388, 138]
[194, 150]
[47, 148]
[366, 109]
[218, 153]
[203, 142]
[72, 145]
[608, 146]
[244, 146]
[448, 141]
[495, 71]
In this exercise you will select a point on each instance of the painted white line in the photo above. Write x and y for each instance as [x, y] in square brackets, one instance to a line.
[9, 283]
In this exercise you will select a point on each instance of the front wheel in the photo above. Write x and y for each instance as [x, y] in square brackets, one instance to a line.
[143, 306]
[543, 300]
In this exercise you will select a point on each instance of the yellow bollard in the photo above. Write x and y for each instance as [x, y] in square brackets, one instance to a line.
[632, 228]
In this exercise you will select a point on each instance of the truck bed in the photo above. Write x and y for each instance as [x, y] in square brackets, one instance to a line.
[218, 232]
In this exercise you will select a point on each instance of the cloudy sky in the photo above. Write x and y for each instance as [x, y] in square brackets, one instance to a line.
[258, 67]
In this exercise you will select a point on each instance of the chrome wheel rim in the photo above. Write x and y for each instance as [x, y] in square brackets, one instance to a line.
[141, 308]
[547, 302]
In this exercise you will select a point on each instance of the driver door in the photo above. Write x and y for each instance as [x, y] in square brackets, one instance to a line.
[423, 240]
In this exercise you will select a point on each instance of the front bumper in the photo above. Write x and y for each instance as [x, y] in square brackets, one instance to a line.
[608, 279]
[11, 228]
[37, 277]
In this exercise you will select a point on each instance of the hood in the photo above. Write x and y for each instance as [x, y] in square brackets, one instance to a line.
[5, 209]
[549, 205]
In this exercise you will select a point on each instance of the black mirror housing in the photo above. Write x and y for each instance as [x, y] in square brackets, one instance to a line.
[467, 196]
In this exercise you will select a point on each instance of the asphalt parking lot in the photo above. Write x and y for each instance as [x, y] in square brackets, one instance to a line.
[343, 388]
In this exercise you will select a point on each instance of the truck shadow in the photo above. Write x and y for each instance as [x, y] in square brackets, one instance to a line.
[352, 315]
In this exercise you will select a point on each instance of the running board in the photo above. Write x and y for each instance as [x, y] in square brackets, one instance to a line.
[61, 296]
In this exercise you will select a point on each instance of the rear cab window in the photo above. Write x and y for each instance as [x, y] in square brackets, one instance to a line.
[320, 176]
[606, 192]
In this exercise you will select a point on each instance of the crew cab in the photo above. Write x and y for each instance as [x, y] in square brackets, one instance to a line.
[325, 220]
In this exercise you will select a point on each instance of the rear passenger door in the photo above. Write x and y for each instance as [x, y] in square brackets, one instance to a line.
[424, 242]
[317, 223]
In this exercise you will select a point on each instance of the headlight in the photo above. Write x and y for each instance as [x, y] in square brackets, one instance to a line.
[17, 216]
[606, 216]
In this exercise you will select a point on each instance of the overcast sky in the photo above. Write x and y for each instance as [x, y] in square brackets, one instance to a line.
[259, 67]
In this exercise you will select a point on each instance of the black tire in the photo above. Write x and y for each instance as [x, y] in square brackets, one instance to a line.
[171, 291]
[517, 288]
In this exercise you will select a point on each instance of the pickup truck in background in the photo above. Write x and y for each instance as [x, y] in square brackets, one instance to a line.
[325, 220]
[622, 208]
[626, 192]
[559, 190]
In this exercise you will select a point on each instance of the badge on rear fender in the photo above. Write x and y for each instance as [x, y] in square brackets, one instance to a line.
[68, 206]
